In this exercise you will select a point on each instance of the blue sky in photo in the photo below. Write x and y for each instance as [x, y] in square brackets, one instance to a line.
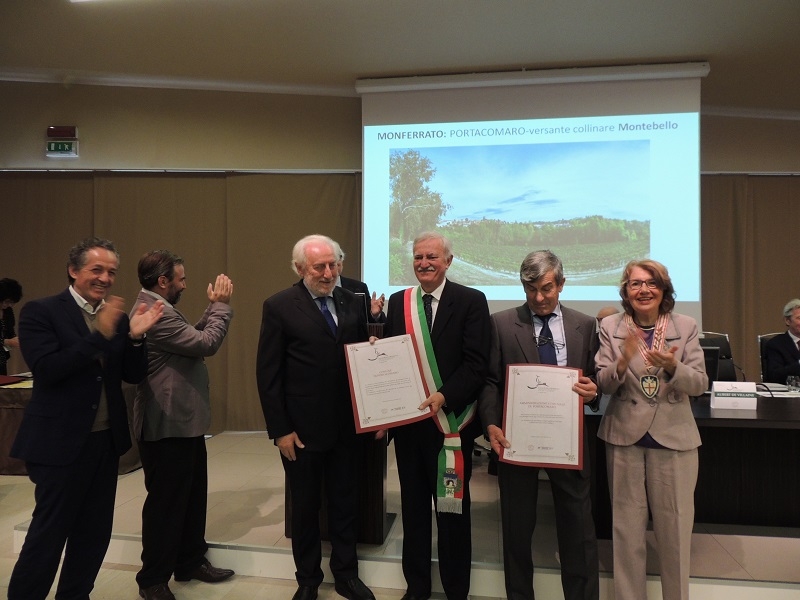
[543, 182]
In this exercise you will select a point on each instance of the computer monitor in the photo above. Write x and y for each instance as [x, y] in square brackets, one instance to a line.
[711, 355]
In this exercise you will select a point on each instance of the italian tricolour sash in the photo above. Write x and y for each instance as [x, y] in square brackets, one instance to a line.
[450, 477]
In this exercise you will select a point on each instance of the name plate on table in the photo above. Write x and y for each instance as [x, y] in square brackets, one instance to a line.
[734, 394]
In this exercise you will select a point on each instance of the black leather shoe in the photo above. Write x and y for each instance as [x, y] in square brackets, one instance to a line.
[353, 589]
[160, 591]
[207, 573]
[410, 596]
[305, 592]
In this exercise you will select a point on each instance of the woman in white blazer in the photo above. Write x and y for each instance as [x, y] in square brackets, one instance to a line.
[650, 362]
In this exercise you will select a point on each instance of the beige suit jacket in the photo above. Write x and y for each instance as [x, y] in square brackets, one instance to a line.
[668, 416]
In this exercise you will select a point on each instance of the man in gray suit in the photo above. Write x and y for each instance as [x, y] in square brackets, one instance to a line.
[542, 331]
[172, 413]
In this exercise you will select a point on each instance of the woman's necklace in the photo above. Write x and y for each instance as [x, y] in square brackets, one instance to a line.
[649, 382]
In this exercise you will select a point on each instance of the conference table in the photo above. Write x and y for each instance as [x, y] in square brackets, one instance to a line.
[12, 406]
[749, 470]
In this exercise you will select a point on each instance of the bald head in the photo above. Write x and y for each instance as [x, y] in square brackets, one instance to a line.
[606, 311]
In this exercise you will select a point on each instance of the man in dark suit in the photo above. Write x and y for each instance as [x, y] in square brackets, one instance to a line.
[782, 352]
[458, 334]
[373, 307]
[171, 415]
[80, 346]
[517, 338]
[305, 396]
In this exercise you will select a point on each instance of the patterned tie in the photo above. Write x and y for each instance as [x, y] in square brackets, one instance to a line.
[323, 306]
[427, 300]
[547, 352]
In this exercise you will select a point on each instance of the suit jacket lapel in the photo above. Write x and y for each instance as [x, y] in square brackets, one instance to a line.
[309, 307]
[74, 312]
[341, 310]
[524, 334]
[443, 312]
[573, 339]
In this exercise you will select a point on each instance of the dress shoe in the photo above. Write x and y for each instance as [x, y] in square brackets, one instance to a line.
[410, 596]
[206, 573]
[305, 592]
[353, 589]
[160, 591]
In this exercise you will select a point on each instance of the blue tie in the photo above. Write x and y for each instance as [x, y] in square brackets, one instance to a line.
[547, 350]
[323, 306]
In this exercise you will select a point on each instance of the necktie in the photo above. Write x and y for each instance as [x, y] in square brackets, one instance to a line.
[427, 299]
[323, 306]
[547, 351]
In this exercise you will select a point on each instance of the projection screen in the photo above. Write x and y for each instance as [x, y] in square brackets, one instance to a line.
[599, 165]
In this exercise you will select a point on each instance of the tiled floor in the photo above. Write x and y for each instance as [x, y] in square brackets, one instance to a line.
[245, 526]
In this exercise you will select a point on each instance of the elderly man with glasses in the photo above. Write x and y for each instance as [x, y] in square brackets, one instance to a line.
[542, 331]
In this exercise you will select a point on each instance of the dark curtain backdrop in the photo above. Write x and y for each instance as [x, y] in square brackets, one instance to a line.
[246, 224]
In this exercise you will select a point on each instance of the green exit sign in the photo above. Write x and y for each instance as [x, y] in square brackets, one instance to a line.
[62, 149]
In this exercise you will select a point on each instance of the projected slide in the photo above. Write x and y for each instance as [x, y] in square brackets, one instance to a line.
[598, 191]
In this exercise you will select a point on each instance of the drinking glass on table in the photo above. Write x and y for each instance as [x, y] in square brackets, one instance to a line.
[793, 383]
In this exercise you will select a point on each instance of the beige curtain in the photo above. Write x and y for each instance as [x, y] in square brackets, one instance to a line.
[748, 232]
[246, 224]
[241, 225]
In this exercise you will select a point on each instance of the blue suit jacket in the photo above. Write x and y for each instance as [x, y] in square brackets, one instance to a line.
[70, 366]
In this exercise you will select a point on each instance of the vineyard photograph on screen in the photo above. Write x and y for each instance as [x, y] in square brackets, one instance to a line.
[587, 201]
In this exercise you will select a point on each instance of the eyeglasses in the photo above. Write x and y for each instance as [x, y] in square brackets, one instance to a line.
[544, 341]
[636, 284]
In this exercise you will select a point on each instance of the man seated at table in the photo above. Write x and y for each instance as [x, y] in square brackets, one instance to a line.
[783, 351]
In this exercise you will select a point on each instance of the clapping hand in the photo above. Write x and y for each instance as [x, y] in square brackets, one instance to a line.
[222, 290]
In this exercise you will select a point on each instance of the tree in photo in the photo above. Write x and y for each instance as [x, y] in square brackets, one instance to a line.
[414, 206]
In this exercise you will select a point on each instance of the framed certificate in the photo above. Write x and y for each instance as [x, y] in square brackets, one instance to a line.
[543, 417]
[385, 383]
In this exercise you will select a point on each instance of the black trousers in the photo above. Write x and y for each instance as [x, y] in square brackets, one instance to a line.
[417, 450]
[174, 513]
[338, 469]
[74, 507]
[577, 543]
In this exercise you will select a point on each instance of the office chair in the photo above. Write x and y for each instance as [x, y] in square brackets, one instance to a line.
[727, 368]
[762, 355]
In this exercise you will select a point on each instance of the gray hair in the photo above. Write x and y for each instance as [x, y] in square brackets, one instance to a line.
[539, 263]
[435, 235]
[299, 250]
[789, 308]
[337, 250]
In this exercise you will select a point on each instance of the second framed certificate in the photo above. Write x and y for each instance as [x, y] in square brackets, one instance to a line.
[543, 417]
[385, 383]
